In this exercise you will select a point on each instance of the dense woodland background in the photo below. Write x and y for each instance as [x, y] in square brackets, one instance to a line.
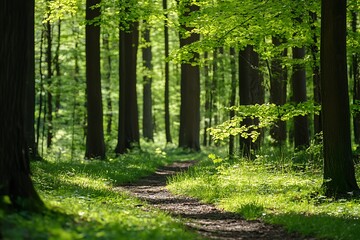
[104, 78]
[172, 71]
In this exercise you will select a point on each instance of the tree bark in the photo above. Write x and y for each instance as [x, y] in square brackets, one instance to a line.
[128, 135]
[189, 134]
[108, 69]
[95, 145]
[167, 77]
[356, 86]
[232, 98]
[316, 73]
[278, 84]
[15, 180]
[30, 89]
[301, 126]
[49, 80]
[207, 108]
[251, 91]
[148, 126]
[339, 173]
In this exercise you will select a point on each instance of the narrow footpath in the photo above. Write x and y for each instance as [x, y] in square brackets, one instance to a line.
[206, 219]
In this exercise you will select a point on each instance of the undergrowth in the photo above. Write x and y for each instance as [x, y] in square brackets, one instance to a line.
[282, 189]
[82, 202]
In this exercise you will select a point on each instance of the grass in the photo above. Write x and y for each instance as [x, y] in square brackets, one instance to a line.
[277, 192]
[83, 204]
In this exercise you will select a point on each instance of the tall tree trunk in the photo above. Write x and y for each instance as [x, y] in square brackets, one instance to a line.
[41, 99]
[95, 145]
[339, 173]
[49, 79]
[30, 88]
[316, 73]
[245, 95]
[148, 126]
[128, 136]
[232, 98]
[356, 78]
[108, 69]
[251, 91]
[213, 115]
[189, 134]
[167, 77]
[278, 85]
[207, 107]
[15, 181]
[57, 69]
[301, 126]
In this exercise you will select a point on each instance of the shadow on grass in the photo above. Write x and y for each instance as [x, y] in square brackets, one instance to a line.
[322, 226]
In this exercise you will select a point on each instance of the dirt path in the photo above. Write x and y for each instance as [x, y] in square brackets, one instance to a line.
[205, 219]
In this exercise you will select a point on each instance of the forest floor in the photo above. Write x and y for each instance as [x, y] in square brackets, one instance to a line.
[209, 221]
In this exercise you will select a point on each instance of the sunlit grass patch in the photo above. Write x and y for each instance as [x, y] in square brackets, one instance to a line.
[83, 204]
[276, 194]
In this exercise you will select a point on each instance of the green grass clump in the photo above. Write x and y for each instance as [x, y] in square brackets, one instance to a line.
[276, 194]
[83, 203]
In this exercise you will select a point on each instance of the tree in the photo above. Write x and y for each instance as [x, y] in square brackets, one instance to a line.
[278, 83]
[49, 80]
[339, 173]
[315, 72]
[301, 126]
[190, 85]
[30, 89]
[232, 97]
[167, 77]
[250, 92]
[128, 135]
[107, 65]
[148, 126]
[356, 79]
[15, 180]
[95, 146]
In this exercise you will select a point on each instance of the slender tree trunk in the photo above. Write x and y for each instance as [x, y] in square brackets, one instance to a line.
[95, 145]
[213, 116]
[301, 126]
[245, 95]
[316, 73]
[30, 89]
[251, 91]
[49, 79]
[278, 85]
[15, 181]
[148, 125]
[38, 121]
[167, 77]
[57, 69]
[356, 78]
[339, 172]
[232, 98]
[108, 69]
[207, 107]
[189, 134]
[128, 136]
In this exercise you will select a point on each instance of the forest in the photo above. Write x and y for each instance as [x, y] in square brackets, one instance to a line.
[179, 119]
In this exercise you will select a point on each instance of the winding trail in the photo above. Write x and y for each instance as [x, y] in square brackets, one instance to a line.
[206, 219]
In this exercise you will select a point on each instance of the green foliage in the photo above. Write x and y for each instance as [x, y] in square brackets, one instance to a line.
[278, 192]
[85, 204]
[266, 114]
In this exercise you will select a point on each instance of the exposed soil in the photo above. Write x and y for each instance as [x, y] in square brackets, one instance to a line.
[206, 219]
